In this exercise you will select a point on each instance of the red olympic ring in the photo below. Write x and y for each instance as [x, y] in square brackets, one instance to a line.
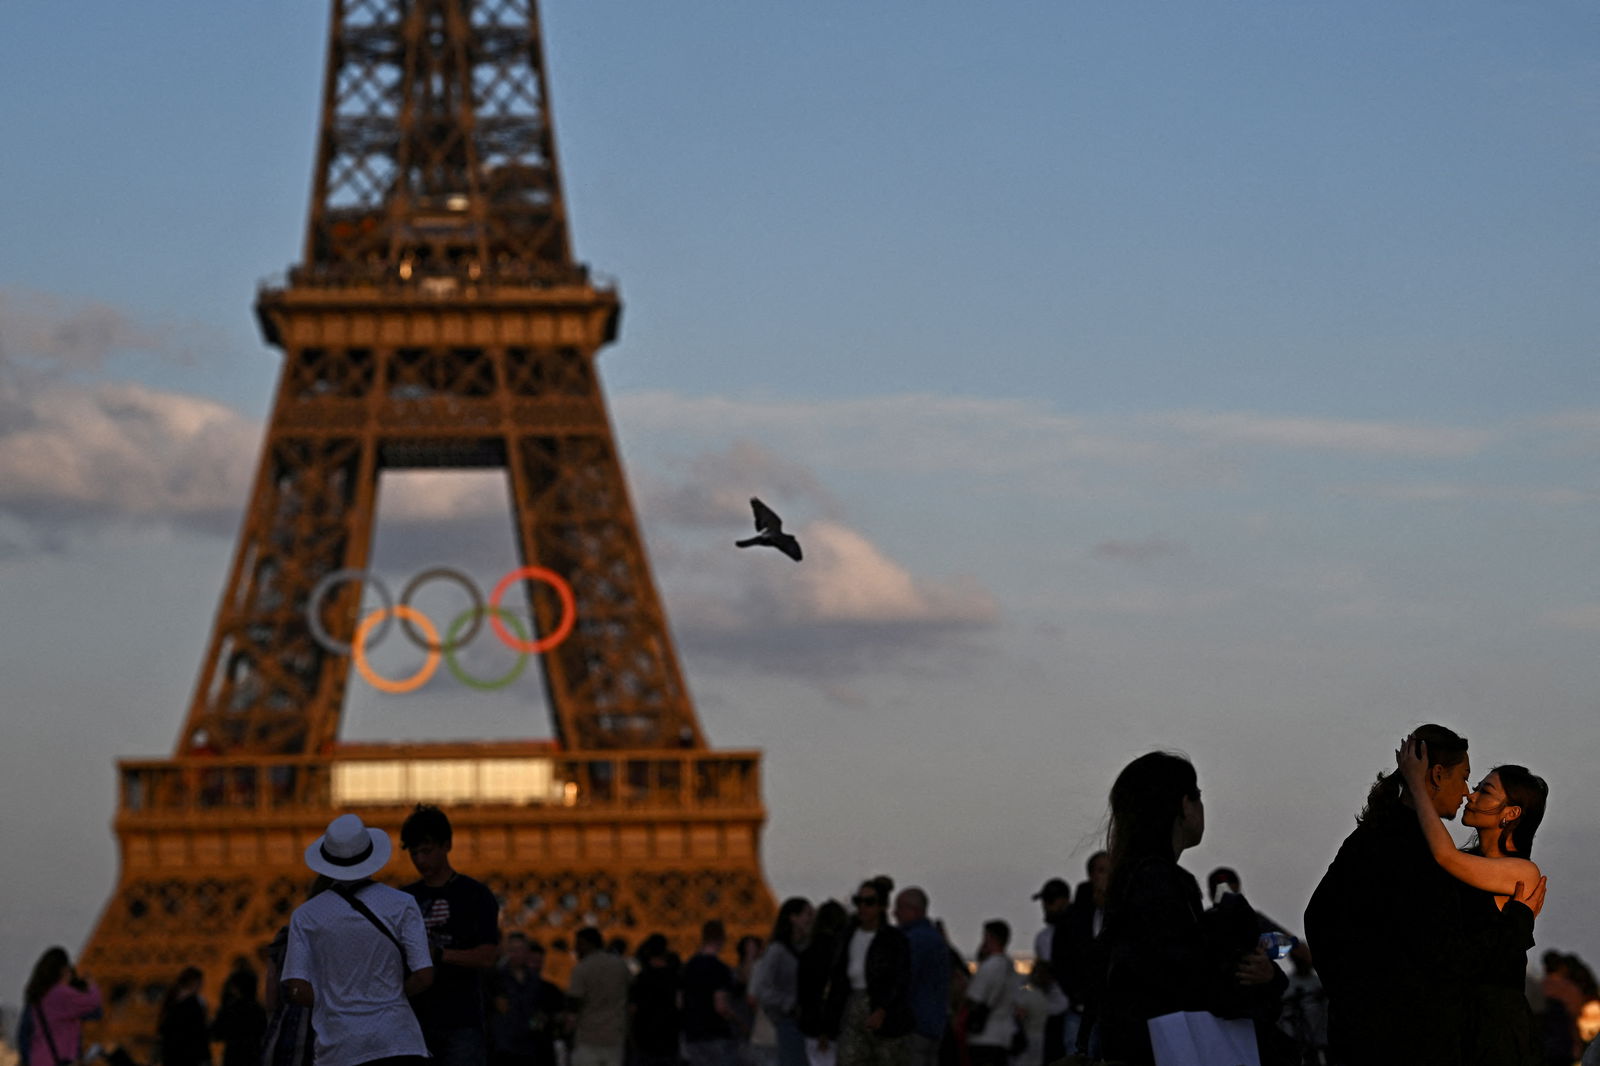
[569, 609]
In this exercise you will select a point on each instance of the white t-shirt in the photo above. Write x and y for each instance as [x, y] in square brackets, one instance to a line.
[860, 941]
[995, 986]
[355, 972]
[1032, 1009]
[1043, 942]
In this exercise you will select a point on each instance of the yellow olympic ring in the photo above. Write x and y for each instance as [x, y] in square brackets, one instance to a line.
[429, 665]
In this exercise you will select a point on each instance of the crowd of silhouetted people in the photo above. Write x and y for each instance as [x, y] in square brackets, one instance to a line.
[1136, 964]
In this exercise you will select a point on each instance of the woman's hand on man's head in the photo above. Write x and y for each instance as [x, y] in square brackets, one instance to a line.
[1411, 759]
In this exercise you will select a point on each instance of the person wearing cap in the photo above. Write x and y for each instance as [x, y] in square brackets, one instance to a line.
[356, 952]
[1055, 899]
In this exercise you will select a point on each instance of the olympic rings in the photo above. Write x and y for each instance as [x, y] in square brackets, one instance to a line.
[477, 620]
[383, 684]
[569, 609]
[375, 625]
[459, 578]
[314, 605]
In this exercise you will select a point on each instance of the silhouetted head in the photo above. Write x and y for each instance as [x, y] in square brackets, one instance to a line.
[1448, 769]
[241, 985]
[1155, 813]
[588, 941]
[187, 984]
[713, 934]
[910, 905]
[426, 837]
[832, 917]
[1222, 875]
[1093, 891]
[52, 967]
[872, 903]
[996, 935]
[651, 948]
[793, 923]
[424, 824]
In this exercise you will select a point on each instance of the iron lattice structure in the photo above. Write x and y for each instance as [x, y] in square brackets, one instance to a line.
[437, 320]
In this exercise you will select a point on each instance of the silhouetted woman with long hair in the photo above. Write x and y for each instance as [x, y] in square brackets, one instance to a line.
[1503, 892]
[1163, 956]
[57, 1002]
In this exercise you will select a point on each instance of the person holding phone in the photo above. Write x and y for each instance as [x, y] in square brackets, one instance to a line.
[1503, 891]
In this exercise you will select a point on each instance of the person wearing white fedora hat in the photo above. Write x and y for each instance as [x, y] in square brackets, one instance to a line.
[356, 952]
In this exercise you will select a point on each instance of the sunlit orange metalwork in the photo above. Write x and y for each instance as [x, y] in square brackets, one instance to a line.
[437, 320]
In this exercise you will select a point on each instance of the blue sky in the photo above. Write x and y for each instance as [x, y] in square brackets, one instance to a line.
[1219, 377]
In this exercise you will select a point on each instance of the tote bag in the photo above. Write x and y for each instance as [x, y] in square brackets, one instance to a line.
[1196, 1038]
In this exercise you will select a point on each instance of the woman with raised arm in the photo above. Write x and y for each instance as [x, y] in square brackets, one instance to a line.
[1503, 893]
[56, 1002]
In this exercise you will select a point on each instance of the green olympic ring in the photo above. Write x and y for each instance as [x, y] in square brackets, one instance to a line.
[476, 615]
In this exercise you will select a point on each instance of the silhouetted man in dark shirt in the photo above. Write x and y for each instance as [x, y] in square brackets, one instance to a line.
[463, 922]
[1384, 926]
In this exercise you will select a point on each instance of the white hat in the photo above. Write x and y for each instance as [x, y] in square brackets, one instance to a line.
[349, 851]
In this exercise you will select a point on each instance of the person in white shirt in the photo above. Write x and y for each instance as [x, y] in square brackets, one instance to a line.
[991, 999]
[1033, 1013]
[356, 951]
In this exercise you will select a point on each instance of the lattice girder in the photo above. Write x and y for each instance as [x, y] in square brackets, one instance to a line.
[437, 155]
[374, 386]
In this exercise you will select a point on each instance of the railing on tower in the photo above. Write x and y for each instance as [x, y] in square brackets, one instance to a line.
[157, 792]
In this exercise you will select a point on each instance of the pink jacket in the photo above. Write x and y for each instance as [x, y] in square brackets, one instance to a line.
[64, 1008]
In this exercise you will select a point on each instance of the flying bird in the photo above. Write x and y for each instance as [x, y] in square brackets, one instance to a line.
[769, 531]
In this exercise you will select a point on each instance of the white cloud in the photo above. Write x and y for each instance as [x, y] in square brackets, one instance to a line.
[850, 579]
[1329, 434]
[431, 496]
[123, 451]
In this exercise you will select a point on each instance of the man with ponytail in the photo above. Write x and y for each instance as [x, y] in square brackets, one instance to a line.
[1385, 925]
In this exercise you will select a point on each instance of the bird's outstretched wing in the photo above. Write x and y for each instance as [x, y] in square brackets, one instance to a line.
[767, 519]
[787, 545]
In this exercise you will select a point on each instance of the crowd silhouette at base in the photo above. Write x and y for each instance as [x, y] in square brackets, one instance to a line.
[1414, 957]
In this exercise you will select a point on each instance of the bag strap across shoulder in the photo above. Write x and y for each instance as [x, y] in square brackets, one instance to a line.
[49, 1037]
[348, 894]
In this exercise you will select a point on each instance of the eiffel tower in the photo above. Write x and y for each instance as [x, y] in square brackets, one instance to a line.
[438, 320]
